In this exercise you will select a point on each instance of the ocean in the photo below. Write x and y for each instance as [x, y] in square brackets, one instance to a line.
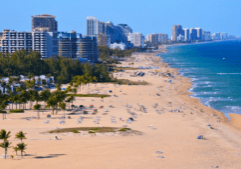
[215, 70]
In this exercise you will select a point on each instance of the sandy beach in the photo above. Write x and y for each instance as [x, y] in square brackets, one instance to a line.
[171, 124]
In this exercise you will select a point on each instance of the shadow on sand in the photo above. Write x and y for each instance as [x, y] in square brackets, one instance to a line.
[49, 156]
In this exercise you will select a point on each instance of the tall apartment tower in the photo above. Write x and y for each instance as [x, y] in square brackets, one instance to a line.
[68, 44]
[136, 38]
[43, 42]
[199, 33]
[89, 49]
[193, 34]
[93, 26]
[186, 34]
[44, 22]
[176, 31]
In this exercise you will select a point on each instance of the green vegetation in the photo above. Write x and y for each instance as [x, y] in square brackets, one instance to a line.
[2, 111]
[16, 111]
[63, 69]
[20, 135]
[105, 53]
[129, 82]
[91, 132]
[88, 95]
[124, 68]
[6, 144]
[124, 129]
[75, 131]
[97, 129]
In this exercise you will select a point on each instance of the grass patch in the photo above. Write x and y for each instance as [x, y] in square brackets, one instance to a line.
[124, 68]
[97, 129]
[124, 129]
[88, 95]
[16, 111]
[91, 132]
[75, 131]
[128, 82]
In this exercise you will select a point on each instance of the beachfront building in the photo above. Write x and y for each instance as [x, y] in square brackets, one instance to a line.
[193, 34]
[68, 44]
[162, 37]
[103, 40]
[115, 33]
[216, 36]
[206, 36]
[199, 33]
[92, 26]
[137, 39]
[89, 49]
[180, 38]
[44, 22]
[224, 36]
[186, 34]
[43, 42]
[176, 31]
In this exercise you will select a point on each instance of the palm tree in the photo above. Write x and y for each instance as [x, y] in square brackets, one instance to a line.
[52, 102]
[3, 106]
[20, 135]
[37, 107]
[62, 106]
[44, 95]
[16, 150]
[4, 135]
[5, 145]
[22, 147]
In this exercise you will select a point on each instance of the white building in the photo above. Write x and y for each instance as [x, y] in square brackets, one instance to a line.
[224, 36]
[120, 46]
[136, 38]
[92, 26]
[216, 36]
[180, 38]
[186, 34]
[43, 42]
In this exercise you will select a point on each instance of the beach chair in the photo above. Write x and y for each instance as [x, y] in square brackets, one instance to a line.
[46, 122]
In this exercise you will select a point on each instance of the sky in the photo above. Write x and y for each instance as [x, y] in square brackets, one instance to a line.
[144, 16]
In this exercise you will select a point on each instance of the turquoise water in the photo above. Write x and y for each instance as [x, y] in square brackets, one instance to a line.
[214, 69]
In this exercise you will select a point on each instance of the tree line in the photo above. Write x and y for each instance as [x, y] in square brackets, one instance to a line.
[63, 69]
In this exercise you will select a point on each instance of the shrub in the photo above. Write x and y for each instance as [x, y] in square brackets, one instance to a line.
[1, 111]
[124, 129]
[16, 111]
[91, 132]
[75, 131]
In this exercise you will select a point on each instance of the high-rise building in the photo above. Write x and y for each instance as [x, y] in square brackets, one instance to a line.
[68, 44]
[186, 34]
[44, 22]
[206, 35]
[199, 33]
[176, 31]
[162, 37]
[137, 39]
[92, 26]
[12, 41]
[102, 28]
[216, 36]
[193, 34]
[89, 49]
[43, 42]
[103, 40]
[224, 36]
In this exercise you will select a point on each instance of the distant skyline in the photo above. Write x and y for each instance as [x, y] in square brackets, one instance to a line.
[153, 16]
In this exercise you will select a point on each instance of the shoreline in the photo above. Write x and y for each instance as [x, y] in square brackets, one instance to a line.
[233, 119]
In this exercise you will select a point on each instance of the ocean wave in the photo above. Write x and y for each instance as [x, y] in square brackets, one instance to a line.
[229, 73]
